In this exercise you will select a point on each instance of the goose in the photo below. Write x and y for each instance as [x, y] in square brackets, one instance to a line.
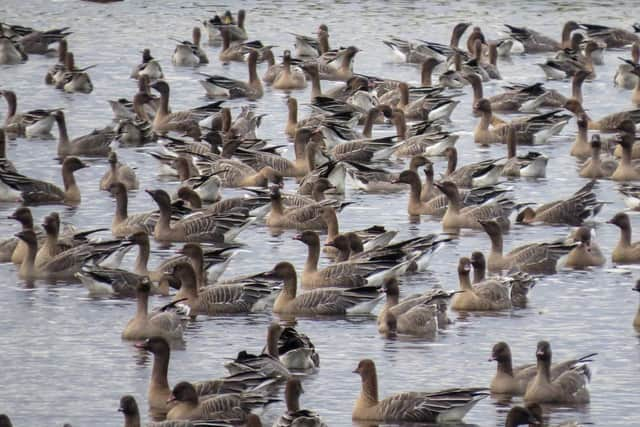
[373, 237]
[608, 123]
[189, 54]
[532, 165]
[436, 203]
[159, 390]
[219, 299]
[418, 315]
[568, 388]
[199, 227]
[124, 224]
[295, 416]
[625, 251]
[33, 123]
[340, 68]
[571, 211]
[534, 42]
[483, 173]
[266, 364]
[217, 86]
[96, 143]
[421, 407]
[164, 121]
[626, 170]
[569, 64]
[300, 218]
[513, 381]
[296, 350]
[517, 98]
[234, 174]
[425, 107]
[489, 295]
[458, 216]
[631, 195]
[234, 51]
[64, 265]
[324, 302]
[25, 218]
[207, 186]
[581, 147]
[165, 324]
[425, 49]
[211, 27]
[53, 245]
[273, 69]
[148, 67]
[624, 78]
[186, 405]
[612, 37]
[379, 180]
[58, 68]
[520, 282]
[35, 41]
[289, 78]
[142, 107]
[533, 258]
[518, 416]
[101, 281]
[426, 142]
[237, 30]
[208, 263]
[72, 79]
[118, 172]
[586, 254]
[11, 53]
[529, 130]
[596, 166]
[309, 46]
[347, 274]
[18, 187]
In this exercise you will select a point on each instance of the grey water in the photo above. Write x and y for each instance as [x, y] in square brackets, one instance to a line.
[61, 356]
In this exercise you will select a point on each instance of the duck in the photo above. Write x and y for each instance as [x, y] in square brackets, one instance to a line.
[624, 78]
[118, 172]
[518, 416]
[190, 54]
[568, 388]
[626, 170]
[296, 350]
[289, 78]
[267, 364]
[96, 143]
[534, 42]
[457, 216]
[417, 315]
[11, 53]
[217, 86]
[199, 227]
[165, 324]
[294, 415]
[237, 30]
[625, 251]
[219, 299]
[72, 79]
[64, 265]
[323, 301]
[421, 407]
[513, 381]
[608, 123]
[33, 123]
[586, 254]
[532, 258]
[571, 211]
[166, 121]
[148, 67]
[529, 130]
[18, 187]
[124, 224]
[532, 165]
[489, 295]
[597, 167]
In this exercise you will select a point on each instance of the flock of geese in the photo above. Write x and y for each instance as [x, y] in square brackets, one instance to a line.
[337, 147]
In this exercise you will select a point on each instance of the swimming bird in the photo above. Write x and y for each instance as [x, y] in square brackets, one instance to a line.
[96, 143]
[189, 53]
[294, 415]
[118, 172]
[625, 252]
[217, 86]
[148, 67]
[31, 123]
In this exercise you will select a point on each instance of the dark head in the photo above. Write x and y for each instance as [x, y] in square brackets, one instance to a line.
[574, 106]
[340, 242]
[637, 286]
[274, 194]
[144, 287]
[5, 421]
[146, 55]
[138, 238]
[155, 345]
[160, 197]
[27, 236]
[184, 271]
[355, 242]
[407, 177]
[322, 185]
[282, 271]
[366, 368]
[543, 351]
[483, 105]
[308, 237]
[501, 352]
[491, 227]
[478, 261]
[161, 86]
[464, 266]
[192, 251]
[621, 220]
[583, 235]
[519, 416]
[627, 126]
[184, 392]
[22, 215]
[113, 158]
[448, 188]
[73, 164]
[391, 287]
[417, 161]
[128, 406]
[51, 224]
